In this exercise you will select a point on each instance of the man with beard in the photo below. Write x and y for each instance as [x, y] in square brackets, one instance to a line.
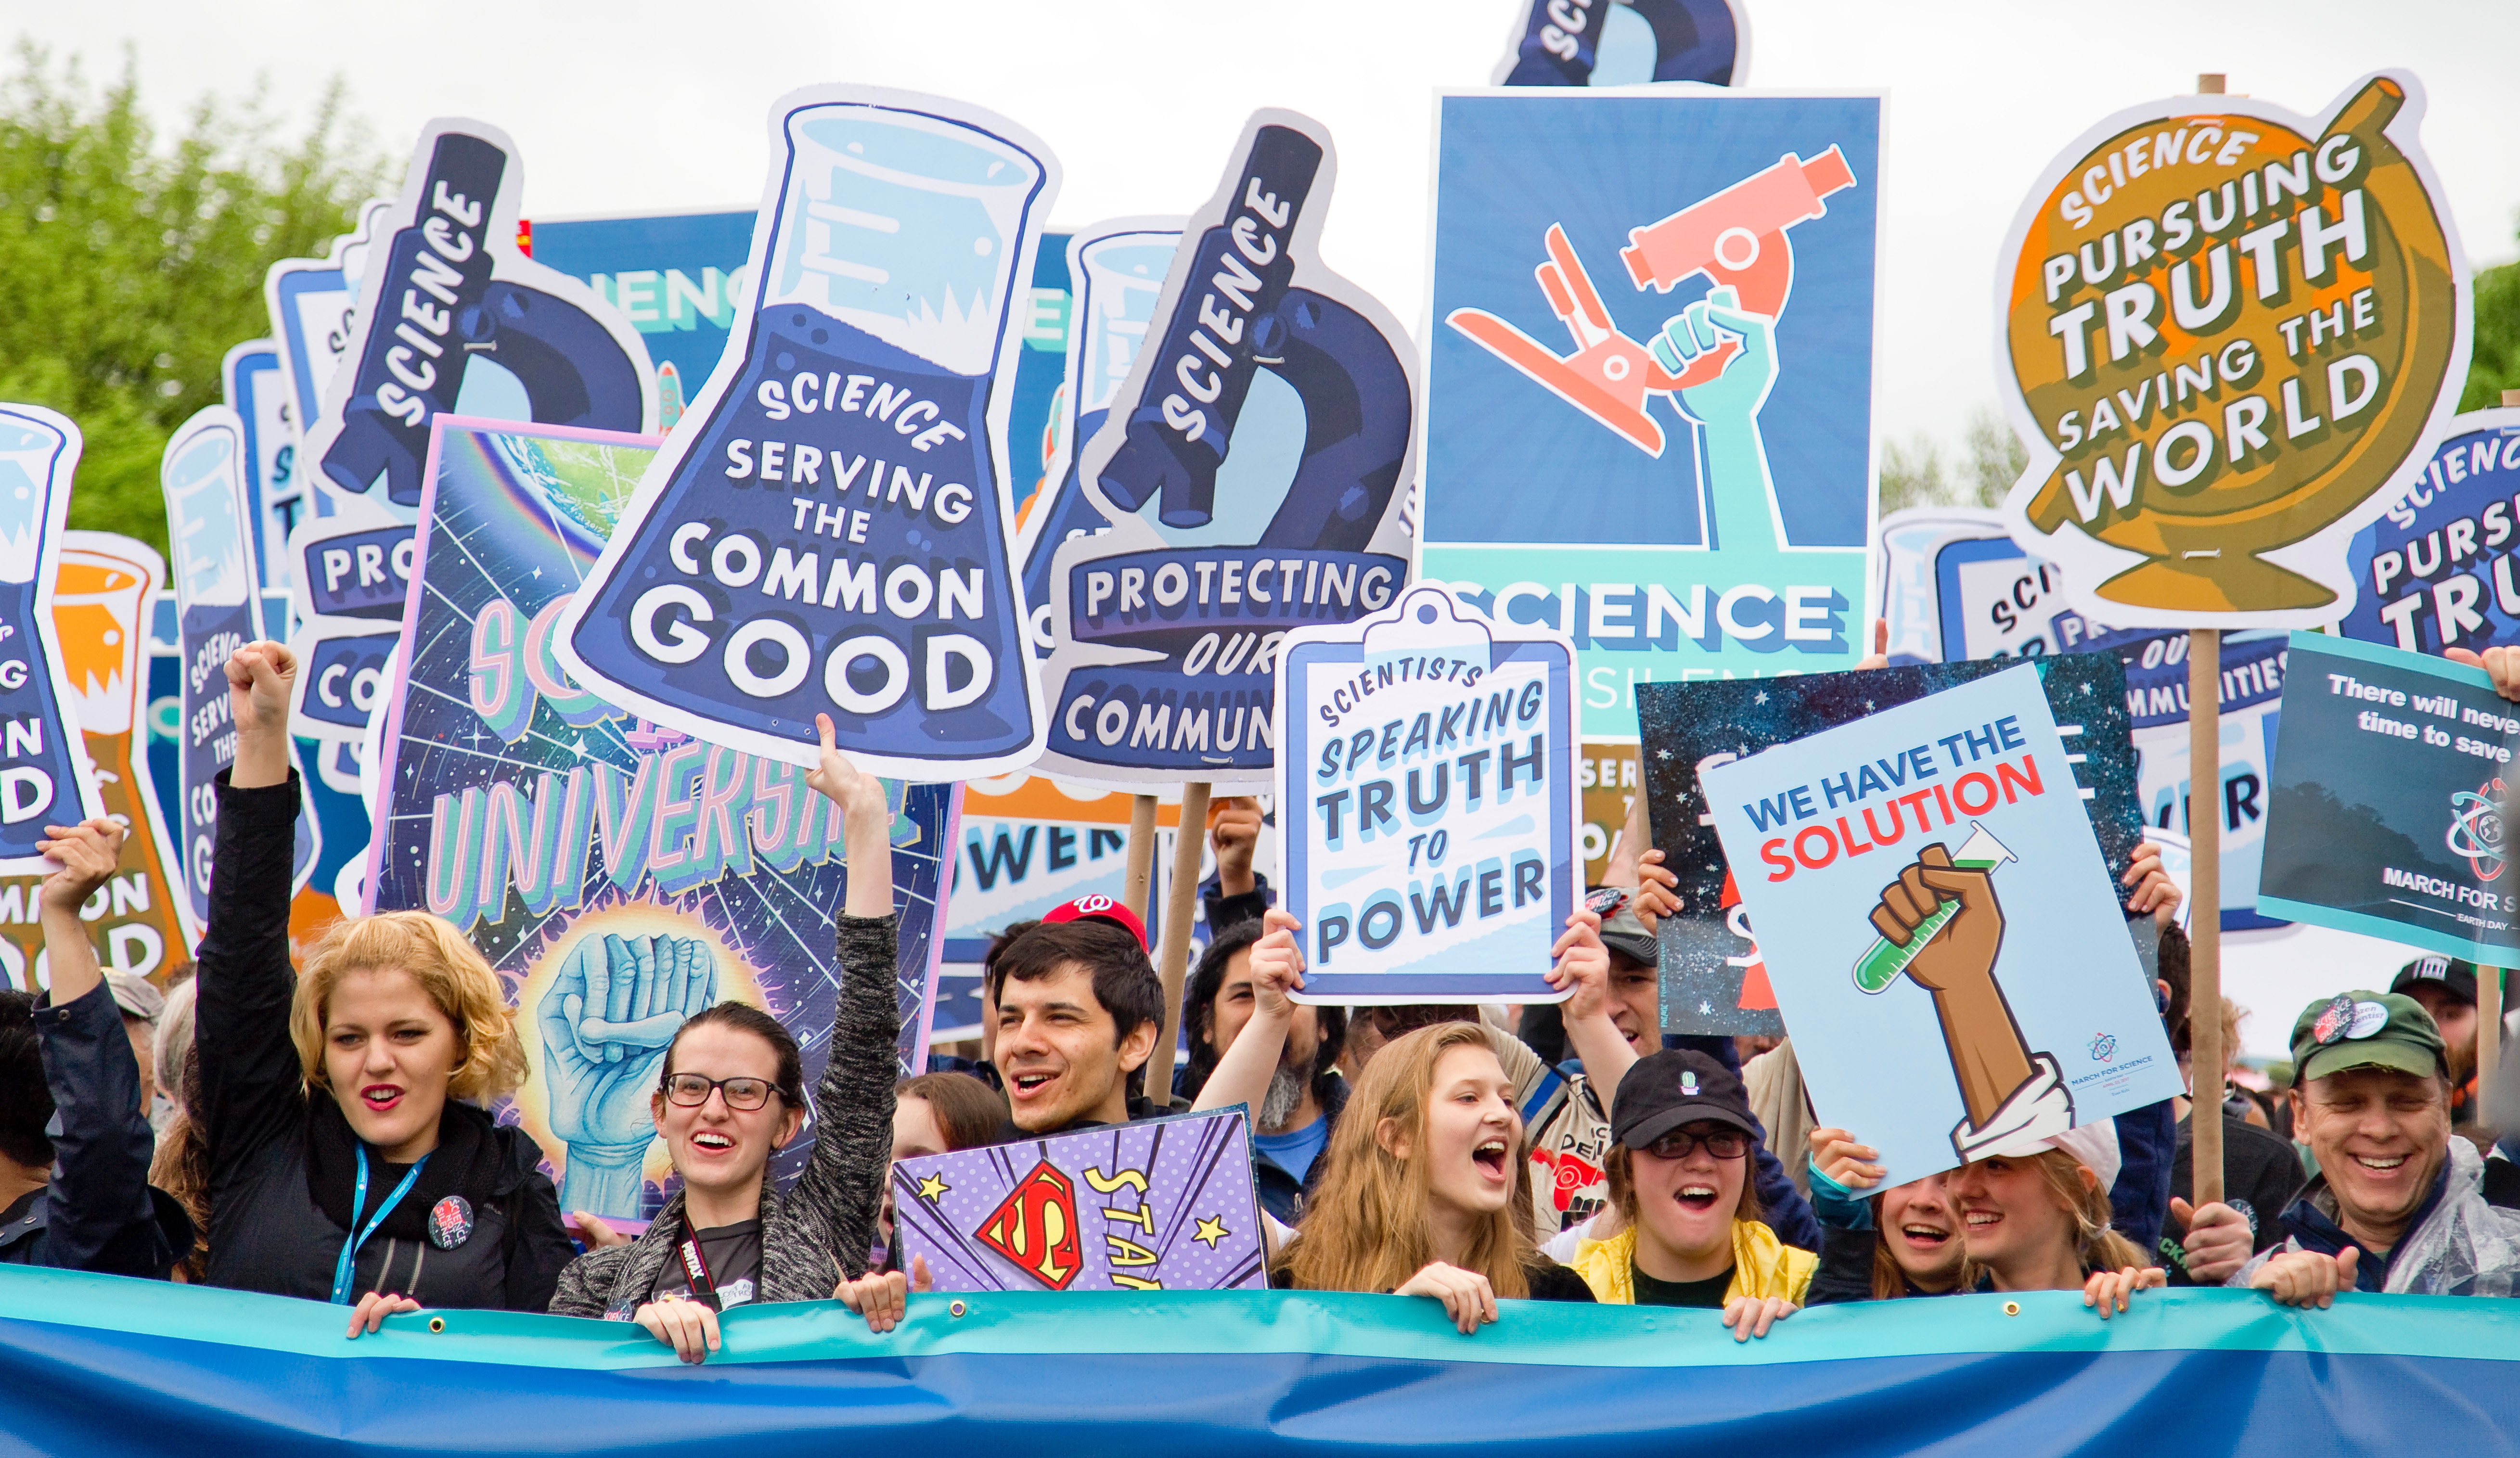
[1292, 1121]
[2446, 987]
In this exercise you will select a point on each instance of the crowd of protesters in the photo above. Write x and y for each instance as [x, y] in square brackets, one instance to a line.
[321, 1130]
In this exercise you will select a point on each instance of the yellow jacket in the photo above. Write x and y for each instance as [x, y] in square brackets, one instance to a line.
[1762, 1265]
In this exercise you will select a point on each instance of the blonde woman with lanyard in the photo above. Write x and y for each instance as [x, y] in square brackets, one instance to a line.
[350, 1156]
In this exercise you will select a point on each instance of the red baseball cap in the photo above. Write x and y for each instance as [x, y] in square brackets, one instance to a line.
[1098, 908]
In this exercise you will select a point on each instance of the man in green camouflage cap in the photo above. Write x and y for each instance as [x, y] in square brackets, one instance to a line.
[2395, 1204]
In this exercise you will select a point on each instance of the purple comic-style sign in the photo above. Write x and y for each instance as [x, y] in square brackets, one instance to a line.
[1159, 1204]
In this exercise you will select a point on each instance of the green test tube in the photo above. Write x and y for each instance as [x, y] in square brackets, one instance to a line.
[1882, 962]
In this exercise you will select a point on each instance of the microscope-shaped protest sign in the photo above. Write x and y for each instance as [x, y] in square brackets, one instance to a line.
[1704, 446]
[2234, 336]
[43, 771]
[829, 530]
[1428, 805]
[1116, 271]
[1627, 43]
[1974, 989]
[619, 875]
[313, 304]
[1255, 471]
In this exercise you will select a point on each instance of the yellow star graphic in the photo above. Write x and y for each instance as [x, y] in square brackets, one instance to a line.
[933, 1188]
[1211, 1229]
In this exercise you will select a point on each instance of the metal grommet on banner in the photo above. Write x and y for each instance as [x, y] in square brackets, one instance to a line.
[958, 1309]
[2012, 1308]
[438, 1323]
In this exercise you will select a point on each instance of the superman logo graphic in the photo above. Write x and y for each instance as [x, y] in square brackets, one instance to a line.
[1035, 1227]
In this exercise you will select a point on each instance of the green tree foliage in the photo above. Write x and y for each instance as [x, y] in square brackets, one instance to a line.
[1992, 457]
[2496, 365]
[127, 269]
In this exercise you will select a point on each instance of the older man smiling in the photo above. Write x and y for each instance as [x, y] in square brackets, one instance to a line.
[2396, 1205]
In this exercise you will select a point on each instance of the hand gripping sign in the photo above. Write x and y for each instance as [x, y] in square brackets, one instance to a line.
[1117, 271]
[1255, 470]
[1429, 812]
[829, 528]
[44, 778]
[2232, 331]
[1603, 43]
[452, 317]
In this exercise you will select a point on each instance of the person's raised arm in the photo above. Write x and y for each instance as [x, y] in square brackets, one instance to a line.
[1244, 1070]
[101, 1217]
[1583, 967]
[251, 1085]
[843, 1181]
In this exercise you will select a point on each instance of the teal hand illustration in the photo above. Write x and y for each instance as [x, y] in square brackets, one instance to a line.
[1739, 492]
[606, 1024]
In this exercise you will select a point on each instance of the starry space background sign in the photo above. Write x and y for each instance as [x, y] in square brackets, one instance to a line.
[1713, 978]
[1155, 1205]
[620, 876]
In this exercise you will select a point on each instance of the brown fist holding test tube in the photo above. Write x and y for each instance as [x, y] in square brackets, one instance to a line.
[1990, 1059]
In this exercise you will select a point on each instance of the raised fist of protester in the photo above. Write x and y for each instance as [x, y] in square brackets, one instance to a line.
[261, 676]
[2154, 890]
[1467, 1297]
[687, 1326]
[607, 1022]
[1234, 830]
[373, 1310]
[2307, 1279]
[1835, 1152]
[1963, 951]
[1751, 1315]
[88, 853]
[2218, 1240]
[2107, 1290]
[2501, 665]
[883, 1297]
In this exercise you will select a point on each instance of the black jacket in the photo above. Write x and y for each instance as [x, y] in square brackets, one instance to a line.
[99, 1213]
[820, 1231]
[267, 1233]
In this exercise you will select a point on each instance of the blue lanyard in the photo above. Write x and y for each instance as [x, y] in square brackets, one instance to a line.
[351, 1246]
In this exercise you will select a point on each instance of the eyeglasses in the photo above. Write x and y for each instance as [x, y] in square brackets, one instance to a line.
[1722, 1143]
[690, 1090]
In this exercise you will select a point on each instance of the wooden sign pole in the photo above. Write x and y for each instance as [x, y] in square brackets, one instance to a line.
[2205, 887]
[1179, 898]
[2489, 1038]
[1141, 869]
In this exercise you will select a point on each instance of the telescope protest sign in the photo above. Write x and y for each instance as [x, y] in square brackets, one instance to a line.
[2231, 332]
[2020, 1027]
[2386, 816]
[1255, 472]
[831, 529]
[1427, 805]
[1714, 979]
[1623, 485]
[451, 316]
[1152, 1205]
[577, 846]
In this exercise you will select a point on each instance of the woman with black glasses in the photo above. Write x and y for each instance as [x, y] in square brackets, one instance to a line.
[732, 1094]
[1691, 1233]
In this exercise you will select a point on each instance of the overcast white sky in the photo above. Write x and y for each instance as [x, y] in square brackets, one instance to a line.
[631, 105]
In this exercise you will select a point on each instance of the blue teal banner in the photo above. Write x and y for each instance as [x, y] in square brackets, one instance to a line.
[100, 1367]
[2385, 812]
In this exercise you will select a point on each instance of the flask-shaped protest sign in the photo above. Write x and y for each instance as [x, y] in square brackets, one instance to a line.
[829, 529]
[43, 778]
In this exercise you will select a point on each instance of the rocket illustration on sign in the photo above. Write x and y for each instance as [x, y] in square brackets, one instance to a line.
[1736, 238]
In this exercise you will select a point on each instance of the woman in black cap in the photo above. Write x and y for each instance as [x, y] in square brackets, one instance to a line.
[1678, 1173]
